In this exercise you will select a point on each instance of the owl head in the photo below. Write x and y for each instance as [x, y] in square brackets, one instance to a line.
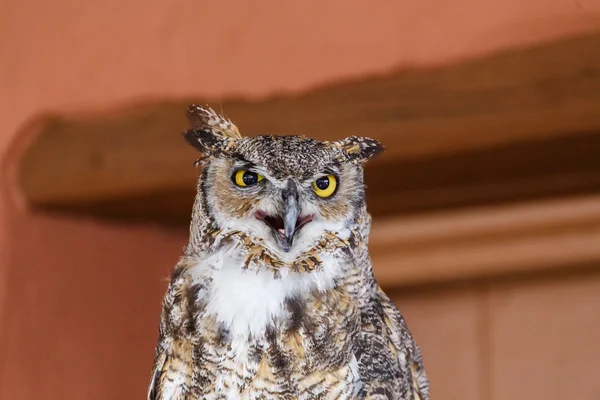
[284, 192]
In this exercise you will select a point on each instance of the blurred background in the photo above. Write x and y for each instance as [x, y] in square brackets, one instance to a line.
[486, 203]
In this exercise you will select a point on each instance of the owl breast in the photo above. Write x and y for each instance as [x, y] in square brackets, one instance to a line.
[265, 378]
[275, 338]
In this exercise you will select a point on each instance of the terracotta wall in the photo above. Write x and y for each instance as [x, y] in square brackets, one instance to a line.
[79, 300]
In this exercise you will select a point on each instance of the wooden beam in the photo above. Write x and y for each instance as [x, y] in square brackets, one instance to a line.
[521, 124]
[488, 242]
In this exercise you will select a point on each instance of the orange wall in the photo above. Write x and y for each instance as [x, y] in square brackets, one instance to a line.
[79, 299]
[527, 339]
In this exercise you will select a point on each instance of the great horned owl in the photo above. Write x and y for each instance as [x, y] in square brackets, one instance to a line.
[274, 296]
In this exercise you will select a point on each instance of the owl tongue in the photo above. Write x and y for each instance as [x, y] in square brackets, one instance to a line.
[281, 232]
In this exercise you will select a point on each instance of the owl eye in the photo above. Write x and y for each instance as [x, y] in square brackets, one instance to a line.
[245, 178]
[325, 186]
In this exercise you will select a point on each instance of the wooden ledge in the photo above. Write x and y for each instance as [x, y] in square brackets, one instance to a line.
[519, 125]
[487, 242]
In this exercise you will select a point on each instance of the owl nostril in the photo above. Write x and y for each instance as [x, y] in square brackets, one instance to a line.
[291, 191]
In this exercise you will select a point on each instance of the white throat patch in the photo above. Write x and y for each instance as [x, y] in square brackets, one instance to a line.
[246, 302]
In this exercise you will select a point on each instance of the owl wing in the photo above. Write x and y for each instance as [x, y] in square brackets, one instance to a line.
[389, 361]
[173, 370]
[172, 374]
[408, 351]
[155, 387]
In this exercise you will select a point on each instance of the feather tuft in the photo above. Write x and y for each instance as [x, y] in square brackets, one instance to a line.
[205, 118]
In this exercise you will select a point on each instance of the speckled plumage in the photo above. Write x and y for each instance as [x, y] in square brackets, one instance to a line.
[244, 317]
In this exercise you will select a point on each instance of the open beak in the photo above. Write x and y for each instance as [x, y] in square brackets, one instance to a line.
[289, 222]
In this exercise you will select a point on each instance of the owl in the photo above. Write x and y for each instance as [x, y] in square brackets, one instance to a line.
[274, 296]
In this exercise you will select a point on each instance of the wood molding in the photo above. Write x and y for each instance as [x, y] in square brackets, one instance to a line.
[487, 242]
[517, 125]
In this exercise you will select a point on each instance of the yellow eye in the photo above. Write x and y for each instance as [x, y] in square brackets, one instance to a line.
[325, 186]
[245, 178]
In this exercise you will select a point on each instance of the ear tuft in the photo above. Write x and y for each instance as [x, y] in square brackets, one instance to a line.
[359, 148]
[210, 131]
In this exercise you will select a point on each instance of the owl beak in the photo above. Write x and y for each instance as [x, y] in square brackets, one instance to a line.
[291, 210]
[286, 225]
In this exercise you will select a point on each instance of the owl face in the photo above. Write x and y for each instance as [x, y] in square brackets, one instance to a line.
[284, 191]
